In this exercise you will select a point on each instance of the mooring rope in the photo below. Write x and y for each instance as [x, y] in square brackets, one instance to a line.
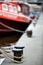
[12, 29]
[9, 56]
[5, 30]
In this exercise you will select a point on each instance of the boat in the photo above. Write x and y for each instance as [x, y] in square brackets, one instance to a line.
[14, 16]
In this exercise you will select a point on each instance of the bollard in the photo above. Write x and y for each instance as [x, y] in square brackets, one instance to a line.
[18, 54]
[29, 33]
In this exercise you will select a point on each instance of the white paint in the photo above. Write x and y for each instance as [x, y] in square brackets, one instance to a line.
[19, 8]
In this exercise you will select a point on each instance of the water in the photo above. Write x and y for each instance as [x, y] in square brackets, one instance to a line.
[7, 39]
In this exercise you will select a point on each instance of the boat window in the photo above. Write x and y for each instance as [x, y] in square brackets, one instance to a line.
[5, 7]
[15, 9]
[25, 10]
[11, 9]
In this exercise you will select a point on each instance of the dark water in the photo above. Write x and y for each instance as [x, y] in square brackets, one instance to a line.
[8, 38]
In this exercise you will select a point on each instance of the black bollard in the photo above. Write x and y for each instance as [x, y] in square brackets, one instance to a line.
[18, 54]
[29, 33]
[19, 47]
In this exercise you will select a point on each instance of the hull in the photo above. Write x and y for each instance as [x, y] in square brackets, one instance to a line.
[13, 24]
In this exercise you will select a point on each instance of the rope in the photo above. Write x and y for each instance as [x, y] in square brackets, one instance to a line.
[9, 56]
[12, 29]
[5, 30]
